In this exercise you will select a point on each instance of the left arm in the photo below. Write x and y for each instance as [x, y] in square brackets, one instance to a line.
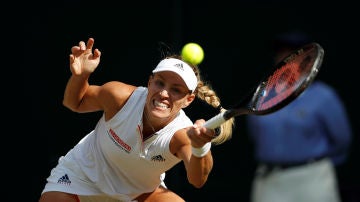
[196, 136]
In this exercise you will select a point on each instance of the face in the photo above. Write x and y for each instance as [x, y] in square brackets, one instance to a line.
[168, 94]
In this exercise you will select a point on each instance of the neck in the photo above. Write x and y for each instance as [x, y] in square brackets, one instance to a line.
[148, 128]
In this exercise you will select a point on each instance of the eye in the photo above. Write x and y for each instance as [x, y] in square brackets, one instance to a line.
[176, 91]
[159, 83]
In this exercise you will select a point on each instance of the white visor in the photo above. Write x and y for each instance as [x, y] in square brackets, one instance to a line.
[179, 67]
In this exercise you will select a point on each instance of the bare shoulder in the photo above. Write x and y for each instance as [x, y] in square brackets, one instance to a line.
[118, 88]
[115, 94]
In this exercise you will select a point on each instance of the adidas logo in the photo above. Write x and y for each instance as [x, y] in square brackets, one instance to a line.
[158, 158]
[179, 65]
[64, 180]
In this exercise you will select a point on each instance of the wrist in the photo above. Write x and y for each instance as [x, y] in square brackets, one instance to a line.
[202, 151]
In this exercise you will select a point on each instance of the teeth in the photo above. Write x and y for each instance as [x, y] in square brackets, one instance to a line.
[159, 104]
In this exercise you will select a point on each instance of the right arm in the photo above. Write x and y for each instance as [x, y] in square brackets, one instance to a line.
[80, 96]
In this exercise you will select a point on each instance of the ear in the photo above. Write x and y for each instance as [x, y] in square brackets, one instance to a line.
[189, 100]
[150, 78]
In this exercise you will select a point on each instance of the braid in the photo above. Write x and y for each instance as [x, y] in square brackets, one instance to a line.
[204, 92]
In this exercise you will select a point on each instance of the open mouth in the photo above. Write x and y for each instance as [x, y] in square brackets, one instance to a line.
[160, 105]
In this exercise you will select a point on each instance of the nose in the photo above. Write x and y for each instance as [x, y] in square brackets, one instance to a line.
[164, 93]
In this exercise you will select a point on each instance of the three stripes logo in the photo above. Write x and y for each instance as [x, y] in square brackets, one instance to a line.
[179, 65]
[158, 158]
[64, 180]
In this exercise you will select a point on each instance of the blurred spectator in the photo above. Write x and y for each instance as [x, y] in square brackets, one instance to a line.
[298, 147]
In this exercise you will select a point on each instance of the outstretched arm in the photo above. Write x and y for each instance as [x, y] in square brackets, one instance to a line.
[193, 147]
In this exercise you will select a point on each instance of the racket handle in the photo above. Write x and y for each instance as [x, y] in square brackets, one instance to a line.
[215, 121]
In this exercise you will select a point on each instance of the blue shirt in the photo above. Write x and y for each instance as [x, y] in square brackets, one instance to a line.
[314, 125]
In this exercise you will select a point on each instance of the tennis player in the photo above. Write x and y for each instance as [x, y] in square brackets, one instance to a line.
[142, 133]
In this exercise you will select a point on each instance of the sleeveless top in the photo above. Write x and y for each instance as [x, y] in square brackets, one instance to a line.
[115, 158]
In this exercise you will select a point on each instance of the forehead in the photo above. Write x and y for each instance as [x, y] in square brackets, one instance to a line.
[171, 78]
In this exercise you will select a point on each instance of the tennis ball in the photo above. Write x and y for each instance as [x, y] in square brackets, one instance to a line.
[192, 53]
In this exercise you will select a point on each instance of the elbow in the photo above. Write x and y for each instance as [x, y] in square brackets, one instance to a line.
[69, 106]
[197, 183]
[199, 176]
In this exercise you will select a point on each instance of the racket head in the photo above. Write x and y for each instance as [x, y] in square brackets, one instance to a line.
[287, 80]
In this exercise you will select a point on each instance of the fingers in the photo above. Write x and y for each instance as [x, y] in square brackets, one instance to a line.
[203, 131]
[72, 58]
[200, 135]
[87, 48]
[82, 60]
[96, 54]
[82, 46]
[75, 49]
[90, 43]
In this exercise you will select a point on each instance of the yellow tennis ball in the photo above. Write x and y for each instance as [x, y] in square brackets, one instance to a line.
[192, 53]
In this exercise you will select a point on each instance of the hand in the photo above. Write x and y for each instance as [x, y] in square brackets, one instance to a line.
[200, 135]
[82, 60]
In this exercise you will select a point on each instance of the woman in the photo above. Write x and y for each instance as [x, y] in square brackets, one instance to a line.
[143, 133]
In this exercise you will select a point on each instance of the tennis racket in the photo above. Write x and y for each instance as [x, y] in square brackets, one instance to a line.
[285, 82]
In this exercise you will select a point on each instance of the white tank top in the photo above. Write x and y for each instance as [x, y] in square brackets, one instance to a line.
[115, 157]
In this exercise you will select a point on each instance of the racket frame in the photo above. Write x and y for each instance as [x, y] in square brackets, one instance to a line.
[246, 106]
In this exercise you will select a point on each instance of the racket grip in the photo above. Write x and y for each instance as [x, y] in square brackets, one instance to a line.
[215, 121]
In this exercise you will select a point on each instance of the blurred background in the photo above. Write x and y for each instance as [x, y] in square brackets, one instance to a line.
[235, 36]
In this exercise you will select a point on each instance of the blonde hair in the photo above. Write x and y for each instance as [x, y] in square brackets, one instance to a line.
[205, 92]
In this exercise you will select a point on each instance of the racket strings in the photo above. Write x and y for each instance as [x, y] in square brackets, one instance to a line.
[286, 80]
